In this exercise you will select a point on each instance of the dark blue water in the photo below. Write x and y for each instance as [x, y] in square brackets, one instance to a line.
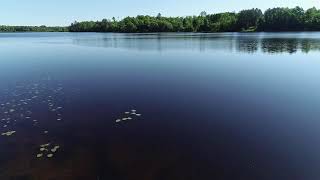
[213, 106]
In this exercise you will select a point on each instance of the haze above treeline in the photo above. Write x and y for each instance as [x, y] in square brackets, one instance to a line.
[251, 20]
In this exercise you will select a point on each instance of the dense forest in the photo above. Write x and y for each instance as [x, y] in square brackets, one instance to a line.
[275, 19]
[32, 29]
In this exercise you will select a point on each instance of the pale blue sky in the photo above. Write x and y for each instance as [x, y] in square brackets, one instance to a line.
[63, 12]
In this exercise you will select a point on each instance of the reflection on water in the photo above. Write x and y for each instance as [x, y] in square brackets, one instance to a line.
[227, 42]
[232, 42]
[80, 106]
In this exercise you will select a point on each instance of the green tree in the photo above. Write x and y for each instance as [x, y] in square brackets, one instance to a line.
[249, 18]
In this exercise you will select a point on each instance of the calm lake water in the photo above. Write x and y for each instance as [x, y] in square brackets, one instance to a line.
[201, 106]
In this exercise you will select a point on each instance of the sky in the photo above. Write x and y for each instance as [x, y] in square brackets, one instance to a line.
[64, 12]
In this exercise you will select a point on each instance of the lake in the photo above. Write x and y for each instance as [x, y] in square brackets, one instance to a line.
[179, 106]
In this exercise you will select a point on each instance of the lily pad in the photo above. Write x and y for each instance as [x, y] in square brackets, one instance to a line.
[50, 155]
[39, 155]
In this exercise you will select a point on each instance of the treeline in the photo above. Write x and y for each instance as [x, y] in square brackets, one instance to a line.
[275, 19]
[32, 29]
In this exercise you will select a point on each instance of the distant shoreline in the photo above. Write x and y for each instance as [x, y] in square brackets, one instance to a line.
[246, 21]
[241, 32]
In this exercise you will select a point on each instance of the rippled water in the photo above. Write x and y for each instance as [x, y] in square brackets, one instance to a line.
[210, 106]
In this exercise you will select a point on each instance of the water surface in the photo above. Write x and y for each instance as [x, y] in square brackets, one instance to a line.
[213, 106]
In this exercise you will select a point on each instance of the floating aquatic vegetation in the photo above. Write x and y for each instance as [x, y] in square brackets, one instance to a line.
[20, 106]
[47, 150]
[50, 155]
[9, 133]
[39, 155]
[45, 145]
[129, 115]
[55, 148]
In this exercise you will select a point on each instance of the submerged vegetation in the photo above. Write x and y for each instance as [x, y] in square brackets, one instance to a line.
[251, 20]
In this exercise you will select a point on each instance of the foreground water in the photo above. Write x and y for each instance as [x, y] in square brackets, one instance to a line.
[200, 106]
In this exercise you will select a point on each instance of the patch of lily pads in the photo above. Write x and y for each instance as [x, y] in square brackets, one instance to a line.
[128, 115]
[47, 150]
[9, 133]
[19, 107]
